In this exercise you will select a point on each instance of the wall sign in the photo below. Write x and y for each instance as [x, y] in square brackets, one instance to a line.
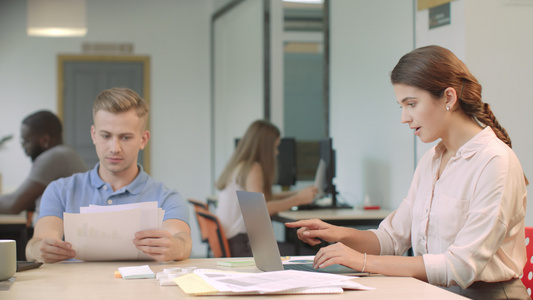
[439, 16]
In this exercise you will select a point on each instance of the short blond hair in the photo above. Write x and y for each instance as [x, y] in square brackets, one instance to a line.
[118, 100]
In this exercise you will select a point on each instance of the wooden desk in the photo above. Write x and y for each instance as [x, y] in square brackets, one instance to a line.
[91, 280]
[342, 216]
[13, 219]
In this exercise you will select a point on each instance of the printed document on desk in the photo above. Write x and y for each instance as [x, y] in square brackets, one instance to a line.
[100, 233]
[217, 282]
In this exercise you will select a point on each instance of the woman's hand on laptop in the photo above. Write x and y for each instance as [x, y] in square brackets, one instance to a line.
[341, 254]
[314, 230]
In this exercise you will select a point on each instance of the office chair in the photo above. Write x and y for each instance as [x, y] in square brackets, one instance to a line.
[527, 277]
[202, 207]
[215, 234]
[198, 204]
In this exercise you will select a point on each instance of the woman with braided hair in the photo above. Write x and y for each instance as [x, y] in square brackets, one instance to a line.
[464, 212]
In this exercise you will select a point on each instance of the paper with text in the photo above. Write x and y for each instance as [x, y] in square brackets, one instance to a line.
[101, 233]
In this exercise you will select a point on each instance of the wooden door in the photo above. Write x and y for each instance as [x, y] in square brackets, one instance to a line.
[81, 79]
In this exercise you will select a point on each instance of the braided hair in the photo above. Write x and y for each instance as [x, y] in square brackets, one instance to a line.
[434, 69]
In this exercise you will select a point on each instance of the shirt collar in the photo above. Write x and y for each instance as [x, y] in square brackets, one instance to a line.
[472, 146]
[134, 188]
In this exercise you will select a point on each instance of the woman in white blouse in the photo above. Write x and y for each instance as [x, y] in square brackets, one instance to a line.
[464, 212]
[252, 168]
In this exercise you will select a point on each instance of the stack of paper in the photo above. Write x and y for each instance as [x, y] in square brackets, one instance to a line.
[101, 233]
[136, 272]
[216, 282]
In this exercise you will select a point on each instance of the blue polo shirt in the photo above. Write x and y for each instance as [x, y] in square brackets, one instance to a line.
[82, 189]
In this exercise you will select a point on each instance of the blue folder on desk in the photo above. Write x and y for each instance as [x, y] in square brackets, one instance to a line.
[263, 241]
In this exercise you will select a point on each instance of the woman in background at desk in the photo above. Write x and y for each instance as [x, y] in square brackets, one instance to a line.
[464, 212]
[252, 168]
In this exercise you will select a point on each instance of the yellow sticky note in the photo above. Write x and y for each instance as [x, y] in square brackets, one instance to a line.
[236, 263]
[194, 284]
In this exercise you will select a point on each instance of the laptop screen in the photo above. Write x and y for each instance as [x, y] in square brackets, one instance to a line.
[259, 227]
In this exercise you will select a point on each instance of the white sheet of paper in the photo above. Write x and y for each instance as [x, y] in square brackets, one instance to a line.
[101, 233]
[151, 215]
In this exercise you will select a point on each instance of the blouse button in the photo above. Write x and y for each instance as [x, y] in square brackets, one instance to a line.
[105, 187]
[109, 201]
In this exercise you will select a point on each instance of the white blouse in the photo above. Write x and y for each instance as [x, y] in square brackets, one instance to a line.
[228, 209]
[469, 224]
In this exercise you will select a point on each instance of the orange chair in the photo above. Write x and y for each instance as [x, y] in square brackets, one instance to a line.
[527, 277]
[198, 204]
[202, 207]
[215, 234]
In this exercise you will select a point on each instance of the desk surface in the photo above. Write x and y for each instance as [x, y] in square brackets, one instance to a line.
[95, 280]
[336, 214]
[13, 219]
[343, 216]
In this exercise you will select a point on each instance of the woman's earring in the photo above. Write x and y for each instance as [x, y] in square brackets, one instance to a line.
[447, 108]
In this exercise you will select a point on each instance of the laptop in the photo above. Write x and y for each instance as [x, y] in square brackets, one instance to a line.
[263, 241]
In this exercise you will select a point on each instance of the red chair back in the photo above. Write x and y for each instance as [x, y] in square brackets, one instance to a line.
[200, 206]
[527, 277]
[215, 234]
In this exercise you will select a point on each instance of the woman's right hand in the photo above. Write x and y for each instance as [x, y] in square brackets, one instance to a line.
[314, 230]
[307, 195]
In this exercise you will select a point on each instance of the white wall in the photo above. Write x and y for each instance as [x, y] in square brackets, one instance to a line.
[374, 150]
[451, 36]
[499, 52]
[175, 34]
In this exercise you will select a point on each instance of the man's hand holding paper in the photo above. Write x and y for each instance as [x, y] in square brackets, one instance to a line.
[157, 244]
[54, 250]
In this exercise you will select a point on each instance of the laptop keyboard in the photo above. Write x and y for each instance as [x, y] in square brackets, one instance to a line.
[300, 267]
[335, 269]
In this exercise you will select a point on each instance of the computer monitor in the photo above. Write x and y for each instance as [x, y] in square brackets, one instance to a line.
[327, 154]
[286, 161]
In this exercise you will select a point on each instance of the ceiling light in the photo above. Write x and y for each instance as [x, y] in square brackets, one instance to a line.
[56, 18]
[306, 1]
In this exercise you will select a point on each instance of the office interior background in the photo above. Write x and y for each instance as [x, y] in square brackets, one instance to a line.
[192, 134]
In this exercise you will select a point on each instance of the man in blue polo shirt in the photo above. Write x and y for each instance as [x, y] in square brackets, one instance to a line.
[119, 133]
